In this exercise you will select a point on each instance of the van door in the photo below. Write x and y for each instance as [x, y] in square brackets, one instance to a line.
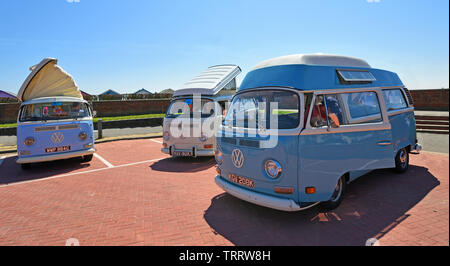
[345, 133]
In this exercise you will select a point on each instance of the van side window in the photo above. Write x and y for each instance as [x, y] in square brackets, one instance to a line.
[346, 109]
[318, 113]
[394, 99]
[363, 107]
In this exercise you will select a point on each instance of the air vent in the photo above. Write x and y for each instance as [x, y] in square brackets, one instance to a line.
[408, 95]
[229, 140]
[249, 143]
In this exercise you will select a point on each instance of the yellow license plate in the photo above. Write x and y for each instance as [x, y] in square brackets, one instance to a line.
[241, 180]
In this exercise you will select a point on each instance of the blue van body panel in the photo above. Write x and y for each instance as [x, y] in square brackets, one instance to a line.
[324, 158]
[285, 153]
[401, 136]
[43, 138]
[308, 77]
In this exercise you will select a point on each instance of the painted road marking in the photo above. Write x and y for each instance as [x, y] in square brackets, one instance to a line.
[103, 160]
[157, 141]
[83, 172]
[2, 159]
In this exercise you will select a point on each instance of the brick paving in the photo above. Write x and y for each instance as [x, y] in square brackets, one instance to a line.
[149, 199]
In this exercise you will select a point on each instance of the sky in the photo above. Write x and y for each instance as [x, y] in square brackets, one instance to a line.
[126, 45]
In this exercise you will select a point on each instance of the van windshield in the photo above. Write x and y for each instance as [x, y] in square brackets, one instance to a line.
[251, 110]
[187, 107]
[54, 111]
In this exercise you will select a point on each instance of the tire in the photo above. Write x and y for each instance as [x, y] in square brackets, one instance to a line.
[25, 166]
[87, 158]
[402, 161]
[337, 197]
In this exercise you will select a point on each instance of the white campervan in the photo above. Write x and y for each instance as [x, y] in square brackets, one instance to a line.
[202, 99]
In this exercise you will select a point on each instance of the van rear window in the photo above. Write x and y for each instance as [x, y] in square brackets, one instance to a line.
[394, 99]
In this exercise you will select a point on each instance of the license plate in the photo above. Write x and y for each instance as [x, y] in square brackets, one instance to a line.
[182, 153]
[58, 149]
[241, 180]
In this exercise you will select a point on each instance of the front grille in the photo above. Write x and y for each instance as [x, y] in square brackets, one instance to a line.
[228, 140]
[249, 143]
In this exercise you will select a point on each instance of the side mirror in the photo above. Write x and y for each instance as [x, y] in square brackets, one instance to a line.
[94, 113]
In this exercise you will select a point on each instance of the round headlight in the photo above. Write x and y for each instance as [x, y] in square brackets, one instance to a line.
[29, 141]
[203, 138]
[166, 135]
[273, 168]
[219, 157]
[83, 135]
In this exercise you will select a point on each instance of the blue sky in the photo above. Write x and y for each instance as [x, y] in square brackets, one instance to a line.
[127, 45]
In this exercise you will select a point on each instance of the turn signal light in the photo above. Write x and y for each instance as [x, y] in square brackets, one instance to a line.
[218, 170]
[284, 190]
[310, 190]
[164, 145]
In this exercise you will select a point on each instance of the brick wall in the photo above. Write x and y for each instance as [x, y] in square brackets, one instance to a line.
[423, 100]
[431, 99]
[9, 111]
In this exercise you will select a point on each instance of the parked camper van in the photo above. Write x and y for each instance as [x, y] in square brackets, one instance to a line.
[337, 119]
[54, 121]
[201, 100]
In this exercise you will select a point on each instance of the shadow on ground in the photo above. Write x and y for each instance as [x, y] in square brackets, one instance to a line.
[374, 204]
[11, 172]
[183, 164]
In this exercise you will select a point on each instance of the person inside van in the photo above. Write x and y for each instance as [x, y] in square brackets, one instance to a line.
[319, 114]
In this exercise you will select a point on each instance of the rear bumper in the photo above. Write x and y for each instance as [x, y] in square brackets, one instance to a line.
[197, 153]
[416, 148]
[259, 198]
[54, 157]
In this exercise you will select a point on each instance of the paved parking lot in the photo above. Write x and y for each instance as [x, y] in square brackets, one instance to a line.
[132, 194]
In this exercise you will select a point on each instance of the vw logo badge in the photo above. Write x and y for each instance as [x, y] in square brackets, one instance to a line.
[57, 137]
[237, 158]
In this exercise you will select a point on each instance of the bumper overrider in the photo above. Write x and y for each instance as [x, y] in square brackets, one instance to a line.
[272, 202]
[54, 157]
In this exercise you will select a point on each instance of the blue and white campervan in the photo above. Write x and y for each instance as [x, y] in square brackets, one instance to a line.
[301, 127]
[54, 121]
[201, 100]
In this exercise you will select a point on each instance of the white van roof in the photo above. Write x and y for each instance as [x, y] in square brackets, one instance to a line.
[314, 59]
[48, 80]
[211, 81]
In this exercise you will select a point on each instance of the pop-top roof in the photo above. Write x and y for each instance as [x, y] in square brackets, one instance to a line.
[211, 81]
[47, 79]
[315, 60]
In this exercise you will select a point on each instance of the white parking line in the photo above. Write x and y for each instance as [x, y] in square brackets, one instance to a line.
[83, 172]
[157, 141]
[103, 160]
[2, 159]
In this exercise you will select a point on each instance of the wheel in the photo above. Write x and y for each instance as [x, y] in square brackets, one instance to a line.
[338, 195]
[87, 158]
[401, 161]
[25, 166]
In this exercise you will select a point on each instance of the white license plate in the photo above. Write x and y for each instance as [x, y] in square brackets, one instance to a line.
[58, 149]
[182, 153]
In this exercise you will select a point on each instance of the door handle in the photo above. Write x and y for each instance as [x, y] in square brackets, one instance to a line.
[384, 143]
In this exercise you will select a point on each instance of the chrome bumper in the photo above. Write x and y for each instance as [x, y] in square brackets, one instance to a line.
[259, 198]
[416, 148]
[54, 157]
[197, 153]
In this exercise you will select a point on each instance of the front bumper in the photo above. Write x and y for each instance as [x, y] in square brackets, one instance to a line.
[54, 157]
[196, 153]
[259, 198]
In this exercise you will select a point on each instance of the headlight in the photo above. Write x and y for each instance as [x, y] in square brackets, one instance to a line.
[219, 157]
[29, 141]
[203, 138]
[273, 168]
[166, 135]
[83, 135]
